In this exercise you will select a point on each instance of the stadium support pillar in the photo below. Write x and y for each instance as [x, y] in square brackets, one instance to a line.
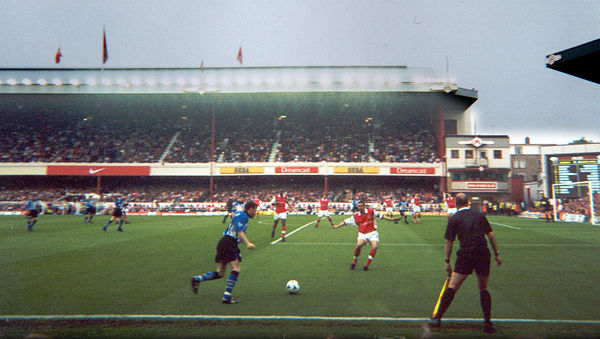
[212, 150]
[442, 147]
[98, 181]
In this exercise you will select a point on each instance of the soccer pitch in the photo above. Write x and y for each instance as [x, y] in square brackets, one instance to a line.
[71, 279]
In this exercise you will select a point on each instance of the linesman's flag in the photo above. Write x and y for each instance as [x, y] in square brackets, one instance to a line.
[239, 56]
[57, 56]
[104, 48]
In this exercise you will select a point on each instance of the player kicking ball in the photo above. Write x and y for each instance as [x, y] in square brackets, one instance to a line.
[364, 219]
[229, 253]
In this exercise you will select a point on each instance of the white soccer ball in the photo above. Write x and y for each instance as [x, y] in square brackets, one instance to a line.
[292, 286]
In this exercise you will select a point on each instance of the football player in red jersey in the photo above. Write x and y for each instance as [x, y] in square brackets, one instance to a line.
[364, 219]
[324, 210]
[280, 203]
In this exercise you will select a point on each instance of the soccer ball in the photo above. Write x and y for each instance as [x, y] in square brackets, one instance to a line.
[292, 286]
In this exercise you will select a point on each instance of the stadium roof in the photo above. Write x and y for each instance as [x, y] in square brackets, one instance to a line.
[357, 88]
[580, 61]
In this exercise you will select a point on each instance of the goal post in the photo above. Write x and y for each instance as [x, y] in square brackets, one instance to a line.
[582, 194]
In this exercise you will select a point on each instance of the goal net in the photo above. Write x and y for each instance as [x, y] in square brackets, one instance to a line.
[576, 201]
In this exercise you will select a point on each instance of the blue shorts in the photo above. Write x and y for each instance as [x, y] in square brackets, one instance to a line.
[469, 260]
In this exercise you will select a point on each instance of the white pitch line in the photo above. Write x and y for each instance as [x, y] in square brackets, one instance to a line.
[435, 245]
[499, 224]
[294, 231]
[272, 317]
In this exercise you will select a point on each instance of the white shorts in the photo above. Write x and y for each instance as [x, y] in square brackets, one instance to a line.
[451, 211]
[389, 209]
[323, 213]
[281, 216]
[368, 237]
[417, 209]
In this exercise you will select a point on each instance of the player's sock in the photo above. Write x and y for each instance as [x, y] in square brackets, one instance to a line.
[120, 225]
[233, 277]
[29, 225]
[371, 255]
[446, 301]
[207, 276]
[486, 304]
[106, 225]
[90, 218]
[84, 220]
[283, 231]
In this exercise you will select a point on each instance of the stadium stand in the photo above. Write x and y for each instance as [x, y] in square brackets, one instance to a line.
[239, 137]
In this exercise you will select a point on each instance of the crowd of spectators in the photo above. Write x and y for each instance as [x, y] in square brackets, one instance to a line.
[136, 137]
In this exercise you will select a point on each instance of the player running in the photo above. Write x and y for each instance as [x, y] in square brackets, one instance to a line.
[450, 205]
[389, 206]
[364, 219]
[31, 212]
[280, 203]
[116, 214]
[324, 211]
[229, 253]
[90, 211]
[416, 206]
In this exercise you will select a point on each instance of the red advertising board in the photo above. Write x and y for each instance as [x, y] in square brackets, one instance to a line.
[97, 170]
[296, 170]
[412, 170]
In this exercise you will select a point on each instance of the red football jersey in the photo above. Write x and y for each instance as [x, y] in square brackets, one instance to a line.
[324, 204]
[388, 203]
[280, 202]
[450, 202]
[365, 222]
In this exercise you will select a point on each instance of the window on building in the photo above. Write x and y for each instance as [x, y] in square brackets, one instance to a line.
[497, 154]
[518, 149]
[469, 154]
[483, 154]
[454, 154]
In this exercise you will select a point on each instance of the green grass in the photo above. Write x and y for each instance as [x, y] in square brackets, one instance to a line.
[550, 272]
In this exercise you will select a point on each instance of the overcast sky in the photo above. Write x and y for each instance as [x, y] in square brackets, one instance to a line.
[496, 47]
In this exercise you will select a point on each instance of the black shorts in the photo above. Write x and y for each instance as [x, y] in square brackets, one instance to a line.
[32, 214]
[227, 250]
[478, 259]
[117, 213]
[91, 210]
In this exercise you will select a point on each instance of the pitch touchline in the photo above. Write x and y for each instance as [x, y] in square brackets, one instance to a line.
[270, 317]
[294, 231]
[437, 245]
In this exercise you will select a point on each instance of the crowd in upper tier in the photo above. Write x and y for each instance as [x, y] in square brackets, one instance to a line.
[143, 138]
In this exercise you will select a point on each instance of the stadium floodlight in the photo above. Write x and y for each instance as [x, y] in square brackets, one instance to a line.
[42, 82]
[91, 82]
[57, 82]
[74, 82]
[11, 82]
[26, 81]
[106, 82]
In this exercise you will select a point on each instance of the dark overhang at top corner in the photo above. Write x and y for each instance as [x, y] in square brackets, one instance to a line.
[580, 61]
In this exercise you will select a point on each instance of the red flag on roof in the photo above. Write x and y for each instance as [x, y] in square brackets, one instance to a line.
[104, 48]
[239, 56]
[57, 56]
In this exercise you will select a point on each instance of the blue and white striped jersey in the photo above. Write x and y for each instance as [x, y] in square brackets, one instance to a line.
[239, 223]
[32, 205]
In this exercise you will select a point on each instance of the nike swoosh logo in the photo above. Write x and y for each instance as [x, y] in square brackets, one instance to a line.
[95, 171]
